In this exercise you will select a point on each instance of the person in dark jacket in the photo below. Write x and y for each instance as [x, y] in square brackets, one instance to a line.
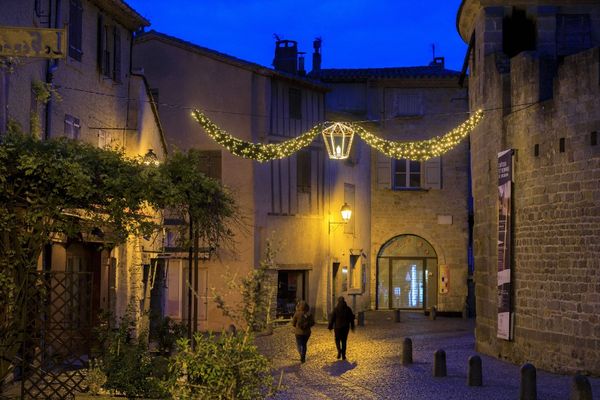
[341, 321]
[302, 321]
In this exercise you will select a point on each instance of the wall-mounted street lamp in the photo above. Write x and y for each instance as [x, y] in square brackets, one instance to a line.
[346, 212]
[150, 158]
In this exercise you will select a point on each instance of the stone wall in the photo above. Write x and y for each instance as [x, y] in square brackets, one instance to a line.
[401, 212]
[556, 200]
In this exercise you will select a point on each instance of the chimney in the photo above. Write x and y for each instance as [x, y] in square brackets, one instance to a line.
[437, 62]
[316, 61]
[286, 56]
[301, 70]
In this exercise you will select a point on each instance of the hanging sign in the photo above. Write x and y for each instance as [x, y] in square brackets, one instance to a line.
[32, 42]
[505, 177]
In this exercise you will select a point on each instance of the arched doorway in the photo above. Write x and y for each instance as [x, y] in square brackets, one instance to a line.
[407, 269]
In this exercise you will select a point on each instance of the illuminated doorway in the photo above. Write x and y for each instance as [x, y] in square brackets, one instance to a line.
[406, 274]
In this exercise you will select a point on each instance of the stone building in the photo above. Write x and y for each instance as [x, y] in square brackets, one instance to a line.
[419, 214]
[535, 67]
[293, 202]
[101, 103]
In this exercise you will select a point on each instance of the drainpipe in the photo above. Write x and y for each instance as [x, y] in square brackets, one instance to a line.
[51, 65]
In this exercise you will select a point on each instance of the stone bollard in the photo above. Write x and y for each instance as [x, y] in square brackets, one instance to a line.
[432, 313]
[474, 375]
[581, 388]
[439, 364]
[528, 383]
[396, 315]
[407, 351]
[232, 330]
[360, 318]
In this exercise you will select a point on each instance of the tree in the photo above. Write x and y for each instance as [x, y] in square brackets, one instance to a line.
[206, 206]
[60, 187]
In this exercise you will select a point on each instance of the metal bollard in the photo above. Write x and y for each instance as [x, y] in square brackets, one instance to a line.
[528, 383]
[474, 375]
[439, 364]
[432, 313]
[407, 351]
[581, 388]
[360, 318]
[397, 315]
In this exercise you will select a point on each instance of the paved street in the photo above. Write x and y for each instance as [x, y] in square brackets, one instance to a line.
[373, 369]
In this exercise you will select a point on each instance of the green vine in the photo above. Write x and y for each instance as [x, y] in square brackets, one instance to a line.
[43, 91]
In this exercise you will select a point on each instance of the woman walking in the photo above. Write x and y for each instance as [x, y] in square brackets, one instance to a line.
[302, 321]
[341, 321]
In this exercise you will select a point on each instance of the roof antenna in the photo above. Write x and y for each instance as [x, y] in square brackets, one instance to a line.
[433, 49]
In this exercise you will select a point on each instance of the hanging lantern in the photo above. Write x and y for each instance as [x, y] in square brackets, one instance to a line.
[338, 138]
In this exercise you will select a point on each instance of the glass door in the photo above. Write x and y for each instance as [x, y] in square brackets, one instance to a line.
[407, 283]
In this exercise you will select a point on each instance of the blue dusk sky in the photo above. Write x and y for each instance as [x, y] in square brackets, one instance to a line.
[355, 33]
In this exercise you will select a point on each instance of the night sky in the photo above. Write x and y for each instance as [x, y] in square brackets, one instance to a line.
[356, 34]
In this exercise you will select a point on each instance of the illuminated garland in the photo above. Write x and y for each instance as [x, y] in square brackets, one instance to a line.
[256, 151]
[419, 150]
[424, 149]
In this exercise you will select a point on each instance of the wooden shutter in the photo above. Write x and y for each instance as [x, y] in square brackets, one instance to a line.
[432, 173]
[384, 171]
[75, 29]
[100, 44]
[117, 55]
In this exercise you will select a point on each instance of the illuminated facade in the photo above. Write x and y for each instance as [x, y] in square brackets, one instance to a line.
[101, 103]
[294, 202]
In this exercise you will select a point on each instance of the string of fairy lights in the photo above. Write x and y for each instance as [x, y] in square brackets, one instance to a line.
[338, 137]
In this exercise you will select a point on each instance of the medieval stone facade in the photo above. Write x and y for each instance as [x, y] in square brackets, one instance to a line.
[542, 97]
[419, 214]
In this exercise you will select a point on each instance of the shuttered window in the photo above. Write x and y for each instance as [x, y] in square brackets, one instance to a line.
[303, 171]
[72, 128]
[75, 29]
[117, 55]
[211, 163]
[295, 103]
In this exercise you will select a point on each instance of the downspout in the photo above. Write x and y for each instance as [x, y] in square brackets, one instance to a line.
[51, 65]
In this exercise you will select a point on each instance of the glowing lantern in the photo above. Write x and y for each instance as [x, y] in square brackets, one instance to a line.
[346, 212]
[338, 138]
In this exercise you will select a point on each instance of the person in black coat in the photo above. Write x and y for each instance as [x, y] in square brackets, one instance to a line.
[341, 321]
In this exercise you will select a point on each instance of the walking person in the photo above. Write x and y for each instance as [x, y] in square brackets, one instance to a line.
[302, 321]
[341, 321]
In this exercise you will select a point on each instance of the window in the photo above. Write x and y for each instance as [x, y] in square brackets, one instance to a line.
[406, 174]
[518, 33]
[295, 103]
[536, 150]
[116, 72]
[106, 53]
[72, 127]
[594, 138]
[303, 171]
[561, 145]
[405, 105]
[573, 33]
[211, 163]
[75, 28]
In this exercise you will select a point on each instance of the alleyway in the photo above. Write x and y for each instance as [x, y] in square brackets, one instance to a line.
[373, 369]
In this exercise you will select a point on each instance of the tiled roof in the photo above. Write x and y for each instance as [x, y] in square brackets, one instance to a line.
[359, 74]
[260, 69]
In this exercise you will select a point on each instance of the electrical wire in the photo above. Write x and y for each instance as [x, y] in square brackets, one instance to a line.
[521, 107]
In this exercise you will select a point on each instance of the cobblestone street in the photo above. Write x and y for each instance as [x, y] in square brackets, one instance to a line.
[373, 369]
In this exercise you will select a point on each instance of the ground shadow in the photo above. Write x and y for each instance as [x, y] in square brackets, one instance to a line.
[339, 368]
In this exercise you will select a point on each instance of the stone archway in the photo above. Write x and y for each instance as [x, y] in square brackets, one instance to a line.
[407, 273]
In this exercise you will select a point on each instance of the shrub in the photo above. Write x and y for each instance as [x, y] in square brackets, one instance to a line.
[227, 366]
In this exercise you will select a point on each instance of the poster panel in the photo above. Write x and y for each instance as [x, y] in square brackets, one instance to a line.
[505, 177]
